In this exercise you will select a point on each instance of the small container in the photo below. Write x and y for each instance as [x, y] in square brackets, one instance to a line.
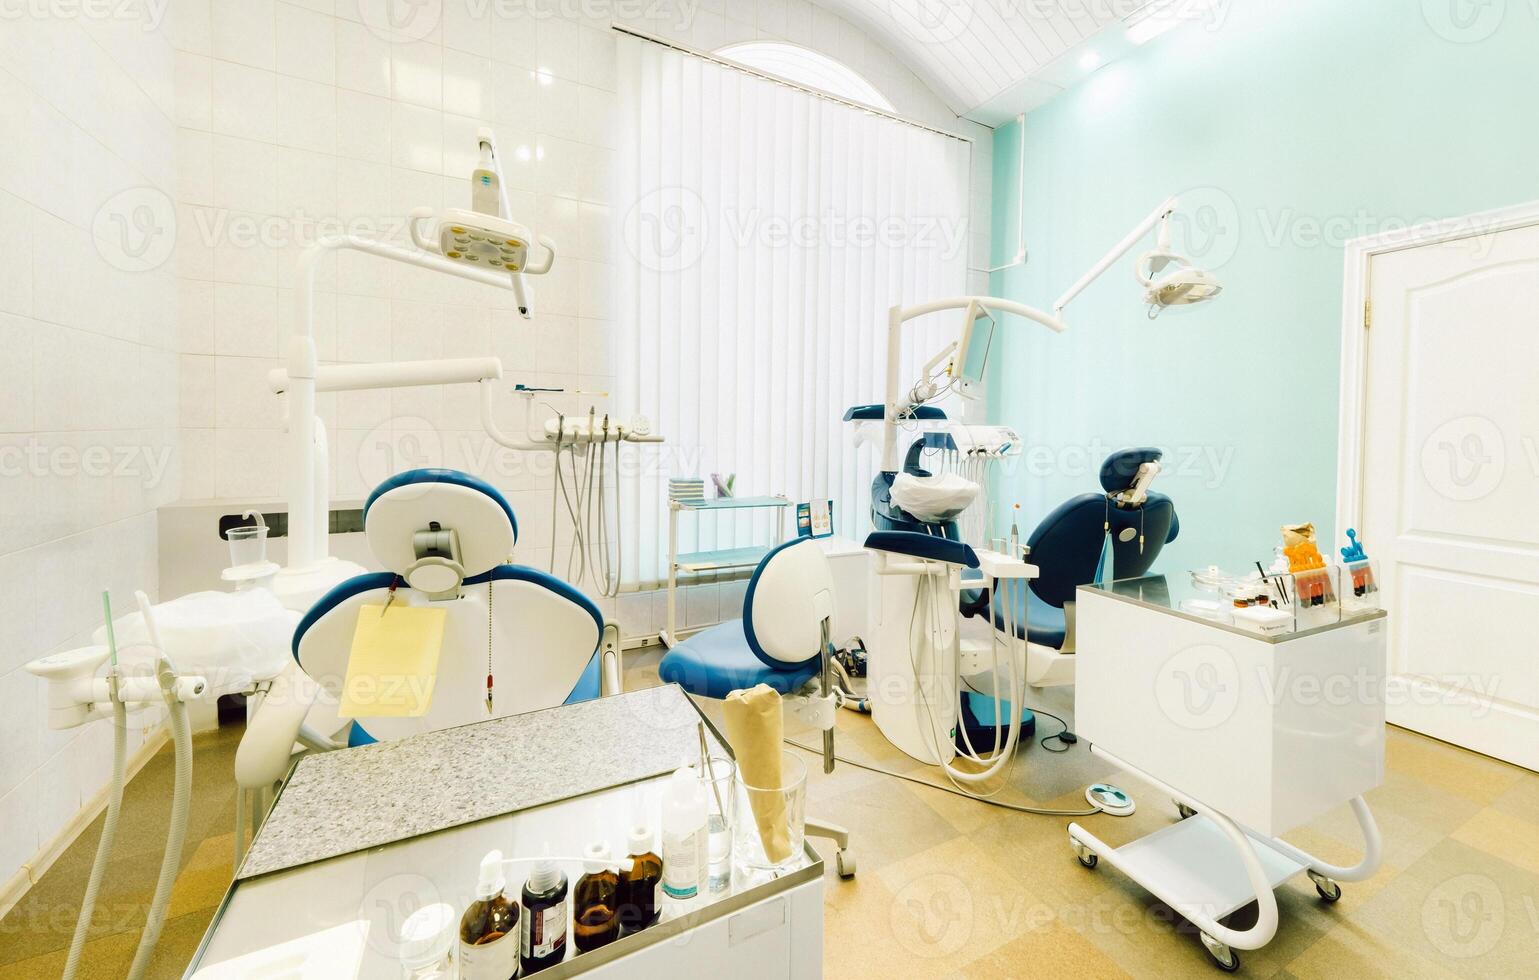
[782, 808]
[544, 917]
[640, 901]
[488, 934]
[427, 943]
[718, 778]
[248, 544]
[685, 835]
[595, 901]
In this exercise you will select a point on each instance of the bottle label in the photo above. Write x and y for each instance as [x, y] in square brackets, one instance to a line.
[496, 960]
[545, 932]
[683, 864]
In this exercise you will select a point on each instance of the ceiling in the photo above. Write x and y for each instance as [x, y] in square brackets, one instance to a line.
[992, 59]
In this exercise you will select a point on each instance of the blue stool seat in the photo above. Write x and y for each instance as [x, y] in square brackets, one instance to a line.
[717, 661]
[1045, 623]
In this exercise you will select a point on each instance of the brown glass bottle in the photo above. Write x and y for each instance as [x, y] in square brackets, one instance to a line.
[593, 902]
[489, 928]
[638, 907]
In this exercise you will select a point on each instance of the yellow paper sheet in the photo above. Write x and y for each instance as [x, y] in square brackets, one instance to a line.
[394, 661]
[755, 727]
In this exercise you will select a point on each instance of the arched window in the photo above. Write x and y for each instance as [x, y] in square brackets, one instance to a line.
[805, 67]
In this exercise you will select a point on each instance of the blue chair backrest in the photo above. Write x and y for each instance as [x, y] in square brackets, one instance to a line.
[1068, 544]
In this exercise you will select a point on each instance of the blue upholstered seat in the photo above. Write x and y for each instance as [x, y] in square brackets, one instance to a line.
[717, 661]
[1045, 623]
[729, 656]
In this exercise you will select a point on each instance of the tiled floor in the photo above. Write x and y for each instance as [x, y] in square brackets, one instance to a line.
[953, 888]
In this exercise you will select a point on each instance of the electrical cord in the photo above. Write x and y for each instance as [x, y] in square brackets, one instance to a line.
[1020, 808]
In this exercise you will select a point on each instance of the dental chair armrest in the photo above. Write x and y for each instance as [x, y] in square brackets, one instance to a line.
[926, 546]
[262, 757]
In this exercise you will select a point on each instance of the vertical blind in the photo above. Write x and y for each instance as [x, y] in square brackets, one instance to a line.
[764, 233]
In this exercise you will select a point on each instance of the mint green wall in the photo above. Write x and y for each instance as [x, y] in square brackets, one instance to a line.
[1289, 130]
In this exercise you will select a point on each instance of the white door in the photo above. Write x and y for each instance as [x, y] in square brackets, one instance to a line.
[1450, 486]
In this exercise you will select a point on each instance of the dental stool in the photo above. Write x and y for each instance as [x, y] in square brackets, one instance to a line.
[444, 537]
[782, 640]
[1067, 548]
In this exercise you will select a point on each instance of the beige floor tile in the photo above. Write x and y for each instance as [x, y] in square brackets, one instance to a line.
[1052, 950]
[1447, 767]
[1467, 912]
[1505, 836]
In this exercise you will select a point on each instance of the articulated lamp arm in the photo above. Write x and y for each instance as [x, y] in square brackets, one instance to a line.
[1158, 215]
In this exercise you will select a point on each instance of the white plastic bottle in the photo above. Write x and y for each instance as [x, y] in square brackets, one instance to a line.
[685, 835]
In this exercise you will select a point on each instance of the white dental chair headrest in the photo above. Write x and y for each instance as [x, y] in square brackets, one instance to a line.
[437, 527]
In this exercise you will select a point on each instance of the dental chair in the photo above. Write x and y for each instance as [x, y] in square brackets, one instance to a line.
[782, 640]
[515, 639]
[1068, 547]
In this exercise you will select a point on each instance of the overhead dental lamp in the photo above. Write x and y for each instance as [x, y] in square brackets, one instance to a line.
[1168, 278]
[485, 236]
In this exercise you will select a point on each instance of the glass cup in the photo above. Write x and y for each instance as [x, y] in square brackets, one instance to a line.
[719, 779]
[772, 825]
[248, 544]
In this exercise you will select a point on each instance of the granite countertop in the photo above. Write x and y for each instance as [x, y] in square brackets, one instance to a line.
[339, 802]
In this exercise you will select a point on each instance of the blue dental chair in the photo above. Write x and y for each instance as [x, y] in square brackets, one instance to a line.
[1068, 548]
[444, 537]
[782, 640]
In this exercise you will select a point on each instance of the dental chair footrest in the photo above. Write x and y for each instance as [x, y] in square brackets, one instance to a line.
[1046, 667]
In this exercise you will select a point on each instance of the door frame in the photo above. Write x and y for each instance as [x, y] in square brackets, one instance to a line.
[1356, 333]
[1356, 338]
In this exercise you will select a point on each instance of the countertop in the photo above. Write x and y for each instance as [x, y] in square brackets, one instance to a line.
[350, 800]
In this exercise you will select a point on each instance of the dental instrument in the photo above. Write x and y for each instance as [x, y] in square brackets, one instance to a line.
[76, 696]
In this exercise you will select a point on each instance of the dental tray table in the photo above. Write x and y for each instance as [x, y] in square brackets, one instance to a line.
[340, 916]
[1251, 735]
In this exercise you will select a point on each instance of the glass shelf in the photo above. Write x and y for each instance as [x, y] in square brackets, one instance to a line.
[707, 561]
[733, 503]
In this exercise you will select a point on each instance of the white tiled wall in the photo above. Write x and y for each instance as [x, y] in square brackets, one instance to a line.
[291, 111]
[233, 130]
[88, 383]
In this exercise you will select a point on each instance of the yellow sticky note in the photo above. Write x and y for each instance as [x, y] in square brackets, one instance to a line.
[393, 665]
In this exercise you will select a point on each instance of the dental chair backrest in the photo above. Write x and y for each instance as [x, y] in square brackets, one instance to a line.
[1068, 545]
[790, 596]
[444, 537]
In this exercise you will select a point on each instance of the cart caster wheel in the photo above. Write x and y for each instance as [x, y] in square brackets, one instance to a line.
[1224, 958]
[1329, 890]
[1184, 810]
[844, 863]
[1085, 855]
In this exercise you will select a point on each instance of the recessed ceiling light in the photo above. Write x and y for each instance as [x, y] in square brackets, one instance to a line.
[1090, 61]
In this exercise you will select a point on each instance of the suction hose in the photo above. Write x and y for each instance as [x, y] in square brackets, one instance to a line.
[171, 862]
[109, 831]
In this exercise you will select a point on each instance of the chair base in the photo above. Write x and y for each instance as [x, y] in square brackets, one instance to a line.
[844, 859]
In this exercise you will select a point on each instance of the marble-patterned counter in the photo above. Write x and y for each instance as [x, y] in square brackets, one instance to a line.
[339, 802]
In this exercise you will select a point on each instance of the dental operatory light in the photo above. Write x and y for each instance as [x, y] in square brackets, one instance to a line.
[485, 236]
[1168, 278]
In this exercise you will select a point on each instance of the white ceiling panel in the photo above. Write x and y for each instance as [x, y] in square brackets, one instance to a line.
[975, 53]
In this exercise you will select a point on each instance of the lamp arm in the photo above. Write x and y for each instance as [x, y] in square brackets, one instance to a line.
[1118, 251]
